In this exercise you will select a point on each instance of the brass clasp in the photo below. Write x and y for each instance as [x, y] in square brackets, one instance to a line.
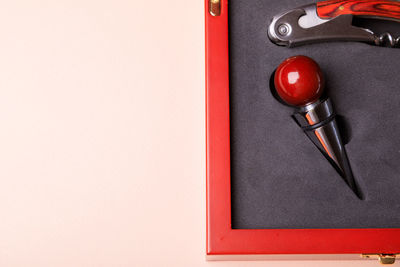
[384, 259]
[214, 7]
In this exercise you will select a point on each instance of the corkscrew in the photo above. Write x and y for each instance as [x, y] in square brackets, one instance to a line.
[387, 39]
[332, 20]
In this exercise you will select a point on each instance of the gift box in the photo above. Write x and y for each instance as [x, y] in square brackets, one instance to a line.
[270, 193]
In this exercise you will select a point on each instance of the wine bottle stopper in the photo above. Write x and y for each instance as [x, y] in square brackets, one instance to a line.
[299, 82]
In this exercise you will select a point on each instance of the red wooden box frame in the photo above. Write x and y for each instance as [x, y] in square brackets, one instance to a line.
[221, 238]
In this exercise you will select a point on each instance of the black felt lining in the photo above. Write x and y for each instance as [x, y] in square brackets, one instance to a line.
[279, 178]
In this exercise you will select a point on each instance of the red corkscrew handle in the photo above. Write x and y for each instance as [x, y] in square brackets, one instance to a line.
[384, 9]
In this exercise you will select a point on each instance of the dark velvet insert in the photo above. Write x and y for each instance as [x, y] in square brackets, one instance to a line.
[279, 178]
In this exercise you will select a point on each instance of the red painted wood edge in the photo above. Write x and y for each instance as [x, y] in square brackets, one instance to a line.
[221, 238]
[375, 8]
[217, 127]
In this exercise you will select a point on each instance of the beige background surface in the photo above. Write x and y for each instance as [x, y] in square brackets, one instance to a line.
[102, 154]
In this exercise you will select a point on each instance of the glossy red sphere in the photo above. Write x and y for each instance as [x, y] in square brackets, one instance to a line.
[299, 81]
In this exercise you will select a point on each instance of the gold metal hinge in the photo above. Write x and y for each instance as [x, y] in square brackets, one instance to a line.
[214, 7]
[384, 259]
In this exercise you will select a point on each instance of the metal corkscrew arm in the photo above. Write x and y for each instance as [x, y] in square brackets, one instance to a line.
[332, 20]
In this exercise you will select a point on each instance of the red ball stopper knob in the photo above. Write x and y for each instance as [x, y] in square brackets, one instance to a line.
[299, 81]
